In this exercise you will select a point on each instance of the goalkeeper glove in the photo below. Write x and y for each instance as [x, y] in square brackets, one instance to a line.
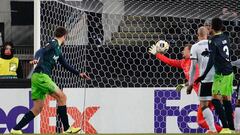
[153, 50]
[180, 87]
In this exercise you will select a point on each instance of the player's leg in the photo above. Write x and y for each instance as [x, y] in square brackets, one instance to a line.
[202, 122]
[205, 95]
[29, 116]
[216, 101]
[61, 107]
[217, 126]
[237, 110]
[38, 96]
[62, 111]
[226, 92]
[237, 115]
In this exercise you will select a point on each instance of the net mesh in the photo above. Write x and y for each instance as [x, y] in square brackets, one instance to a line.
[109, 39]
[113, 42]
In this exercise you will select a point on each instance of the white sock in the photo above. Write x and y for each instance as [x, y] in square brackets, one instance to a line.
[237, 118]
[208, 116]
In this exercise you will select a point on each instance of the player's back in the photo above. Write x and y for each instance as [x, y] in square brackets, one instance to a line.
[50, 54]
[200, 52]
[222, 62]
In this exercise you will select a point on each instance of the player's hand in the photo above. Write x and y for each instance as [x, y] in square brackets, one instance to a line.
[187, 84]
[153, 50]
[33, 62]
[189, 89]
[180, 87]
[84, 76]
[199, 79]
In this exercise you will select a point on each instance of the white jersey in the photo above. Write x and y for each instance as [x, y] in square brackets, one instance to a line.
[200, 52]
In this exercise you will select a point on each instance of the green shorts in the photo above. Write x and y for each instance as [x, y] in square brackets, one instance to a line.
[42, 84]
[223, 84]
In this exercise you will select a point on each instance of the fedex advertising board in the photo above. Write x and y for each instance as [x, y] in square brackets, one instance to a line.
[107, 110]
[14, 104]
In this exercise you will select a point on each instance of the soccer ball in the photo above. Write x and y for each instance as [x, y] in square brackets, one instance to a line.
[162, 46]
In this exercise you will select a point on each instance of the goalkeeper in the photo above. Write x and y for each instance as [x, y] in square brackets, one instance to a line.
[184, 64]
[46, 59]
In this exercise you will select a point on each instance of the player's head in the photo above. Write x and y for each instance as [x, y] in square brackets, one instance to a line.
[202, 33]
[217, 24]
[7, 50]
[186, 51]
[60, 34]
[208, 25]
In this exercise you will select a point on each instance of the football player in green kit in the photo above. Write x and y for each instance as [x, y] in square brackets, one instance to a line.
[46, 59]
[222, 88]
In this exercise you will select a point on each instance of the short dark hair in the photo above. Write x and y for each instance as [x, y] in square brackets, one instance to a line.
[60, 31]
[217, 24]
[8, 43]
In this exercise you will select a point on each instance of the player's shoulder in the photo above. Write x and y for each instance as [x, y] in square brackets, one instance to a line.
[50, 44]
[211, 40]
[200, 44]
[53, 41]
[194, 48]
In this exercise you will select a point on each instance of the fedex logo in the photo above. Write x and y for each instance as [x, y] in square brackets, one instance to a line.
[9, 119]
[183, 112]
[169, 104]
[81, 119]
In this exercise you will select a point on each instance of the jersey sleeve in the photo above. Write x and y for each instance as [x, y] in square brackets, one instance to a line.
[193, 57]
[171, 62]
[236, 63]
[192, 72]
[212, 50]
[193, 52]
[63, 62]
[39, 53]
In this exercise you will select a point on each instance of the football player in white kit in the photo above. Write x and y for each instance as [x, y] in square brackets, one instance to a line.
[199, 55]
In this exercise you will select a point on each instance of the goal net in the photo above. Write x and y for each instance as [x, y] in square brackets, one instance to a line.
[109, 39]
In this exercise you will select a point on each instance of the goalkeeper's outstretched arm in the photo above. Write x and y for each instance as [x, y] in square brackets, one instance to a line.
[171, 62]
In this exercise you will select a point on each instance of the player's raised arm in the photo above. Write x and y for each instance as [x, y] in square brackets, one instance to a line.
[192, 72]
[159, 49]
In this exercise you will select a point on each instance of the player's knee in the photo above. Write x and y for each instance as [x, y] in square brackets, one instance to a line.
[216, 96]
[238, 103]
[62, 98]
[37, 110]
[204, 105]
[227, 98]
[40, 108]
